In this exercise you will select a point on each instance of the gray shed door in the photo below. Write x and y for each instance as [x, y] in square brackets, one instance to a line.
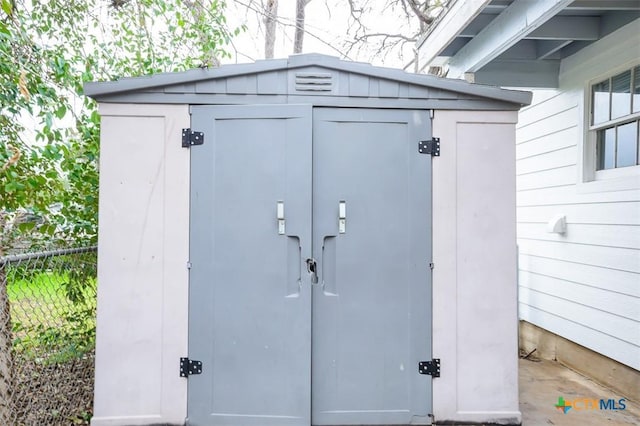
[281, 190]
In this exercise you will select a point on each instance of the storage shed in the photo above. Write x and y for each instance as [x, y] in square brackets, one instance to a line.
[306, 241]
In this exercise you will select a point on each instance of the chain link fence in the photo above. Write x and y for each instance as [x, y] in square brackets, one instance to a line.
[47, 337]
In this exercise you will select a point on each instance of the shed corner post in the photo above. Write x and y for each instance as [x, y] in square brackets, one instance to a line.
[474, 280]
[142, 323]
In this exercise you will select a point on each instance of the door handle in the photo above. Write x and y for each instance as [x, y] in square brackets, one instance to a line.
[342, 217]
[328, 257]
[328, 266]
[280, 216]
[294, 266]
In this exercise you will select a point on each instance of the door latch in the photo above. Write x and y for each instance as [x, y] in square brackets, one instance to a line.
[312, 269]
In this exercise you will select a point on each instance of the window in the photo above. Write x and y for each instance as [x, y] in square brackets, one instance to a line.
[615, 118]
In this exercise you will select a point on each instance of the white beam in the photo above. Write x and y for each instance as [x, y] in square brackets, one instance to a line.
[514, 23]
[524, 49]
[568, 28]
[477, 25]
[605, 5]
[546, 48]
[590, 5]
[454, 19]
[519, 73]
[556, 28]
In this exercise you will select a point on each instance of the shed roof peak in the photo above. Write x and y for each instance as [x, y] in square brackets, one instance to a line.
[157, 82]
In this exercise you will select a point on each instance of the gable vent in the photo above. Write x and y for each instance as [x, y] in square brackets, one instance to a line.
[314, 82]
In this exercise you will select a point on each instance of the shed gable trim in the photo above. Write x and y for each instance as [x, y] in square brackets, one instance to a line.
[270, 72]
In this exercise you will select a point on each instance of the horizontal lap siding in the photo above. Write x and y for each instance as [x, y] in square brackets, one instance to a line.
[587, 275]
[616, 213]
[547, 161]
[566, 195]
[585, 284]
[620, 259]
[561, 139]
[619, 236]
[558, 176]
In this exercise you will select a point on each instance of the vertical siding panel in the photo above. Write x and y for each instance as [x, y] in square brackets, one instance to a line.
[144, 247]
[212, 86]
[272, 83]
[358, 85]
[180, 88]
[470, 194]
[389, 89]
[419, 92]
[343, 84]
[374, 87]
[403, 90]
[243, 85]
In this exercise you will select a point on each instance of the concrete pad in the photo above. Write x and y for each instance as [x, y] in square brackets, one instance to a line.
[542, 382]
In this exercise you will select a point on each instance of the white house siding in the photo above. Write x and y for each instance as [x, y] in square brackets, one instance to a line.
[583, 285]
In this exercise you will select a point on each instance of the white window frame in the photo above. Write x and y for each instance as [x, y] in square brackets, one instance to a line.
[616, 179]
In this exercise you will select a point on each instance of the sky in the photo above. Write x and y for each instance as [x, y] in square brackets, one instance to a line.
[328, 25]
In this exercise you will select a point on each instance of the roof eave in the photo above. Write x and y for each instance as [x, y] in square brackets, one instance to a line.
[447, 26]
[149, 82]
[99, 89]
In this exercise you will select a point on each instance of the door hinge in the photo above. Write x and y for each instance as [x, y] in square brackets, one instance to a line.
[190, 138]
[189, 367]
[430, 368]
[431, 147]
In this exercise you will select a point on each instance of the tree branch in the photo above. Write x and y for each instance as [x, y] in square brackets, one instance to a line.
[299, 34]
[270, 18]
[280, 20]
[422, 15]
[387, 36]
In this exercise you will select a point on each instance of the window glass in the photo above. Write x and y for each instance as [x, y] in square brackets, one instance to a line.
[636, 89]
[600, 102]
[621, 94]
[627, 145]
[606, 148]
[615, 120]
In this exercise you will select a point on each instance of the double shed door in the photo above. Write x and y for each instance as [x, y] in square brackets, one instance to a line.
[310, 287]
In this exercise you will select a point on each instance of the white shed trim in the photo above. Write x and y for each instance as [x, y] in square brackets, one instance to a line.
[142, 258]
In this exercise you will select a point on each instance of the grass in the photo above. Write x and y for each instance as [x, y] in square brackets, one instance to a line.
[39, 299]
[53, 316]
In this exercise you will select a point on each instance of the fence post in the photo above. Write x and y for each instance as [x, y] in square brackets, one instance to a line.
[6, 361]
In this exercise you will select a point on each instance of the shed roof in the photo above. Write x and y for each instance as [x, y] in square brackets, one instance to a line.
[309, 78]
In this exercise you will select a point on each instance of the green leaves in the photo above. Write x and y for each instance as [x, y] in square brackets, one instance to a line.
[47, 51]
[7, 7]
[61, 111]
